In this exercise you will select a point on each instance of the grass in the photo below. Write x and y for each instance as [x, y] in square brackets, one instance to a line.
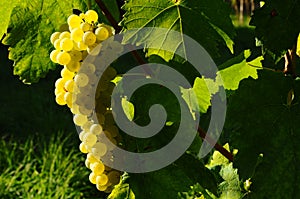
[43, 168]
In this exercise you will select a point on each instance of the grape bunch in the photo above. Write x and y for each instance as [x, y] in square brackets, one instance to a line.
[78, 78]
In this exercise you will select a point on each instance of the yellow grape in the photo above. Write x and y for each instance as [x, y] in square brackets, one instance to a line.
[102, 33]
[60, 100]
[54, 37]
[114, 177]
[79, 119]
[91, 16]
[101, 188]
[66, 74]
[91, 158]
[56, 91]
[82, 46]
[81, 80]
[66, 44]
[82, 15]
[84, 110]
[75, 109]
[59, 83]
[74, 21]
[86, 27]
[99, 149]
[69, 85]
[81, 134]
[89, 139]
[109, 189]
[102, 179]
[53, 55]
[69, 99]
[89, 38]
[73, 66]
[96, 129]
[64, 35]
[87, 164]
[93, 177]
[98, 168]
[113, 130]
[56, 44]
[77, 34]
[92, 50]
[87, 126]
[76, 55]
[63, 58]
[83, 148]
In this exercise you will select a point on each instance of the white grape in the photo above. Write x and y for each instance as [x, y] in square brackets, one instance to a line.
[77, 34]
[81, 80]
[79, 119]
[90, 139]
[99, 149]
[74, 21]
[54, 37]
[91, 16]
[64, 35]
[53, 55]
[89, 38]
[73, 66]
[63, 58]
[102, 33]
[96, 129]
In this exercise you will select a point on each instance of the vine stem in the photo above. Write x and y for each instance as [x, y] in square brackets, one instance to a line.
[108, 15]
[141, 61]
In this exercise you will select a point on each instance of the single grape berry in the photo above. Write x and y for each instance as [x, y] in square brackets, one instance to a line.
[89, 38]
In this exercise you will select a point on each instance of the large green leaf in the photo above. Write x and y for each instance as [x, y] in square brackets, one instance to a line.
[263, 123]
[277, 24]
[206, 21]
[31, 24]
[6, 8]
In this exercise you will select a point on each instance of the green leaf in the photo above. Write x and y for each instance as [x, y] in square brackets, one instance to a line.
[241, 69]
[206, 21]
[128, 109]
[32, 22]
[168, 182]
[277, 24]
[6, 8]
[218, 159]
[122, 190]
[230, 187]
[204, 88]
[265, 130]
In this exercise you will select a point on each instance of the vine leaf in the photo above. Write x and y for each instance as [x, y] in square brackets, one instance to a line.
[232, 74]
[265, 129]
[6, 8]
[206, 21]
[277, 24]
[31, 24]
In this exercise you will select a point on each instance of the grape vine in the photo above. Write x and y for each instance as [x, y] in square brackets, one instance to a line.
[258, 145]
